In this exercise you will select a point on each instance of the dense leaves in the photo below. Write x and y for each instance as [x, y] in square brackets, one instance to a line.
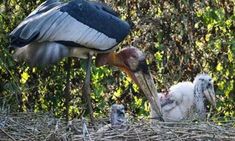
[181, 39]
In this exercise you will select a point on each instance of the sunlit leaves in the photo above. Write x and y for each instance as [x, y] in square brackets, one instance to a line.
[117, 93]
[199, 44]
[158, 12]
[24, 77]
[138, 101]
[207, 38]
[158, 56]
[231, 56]
[229, 23]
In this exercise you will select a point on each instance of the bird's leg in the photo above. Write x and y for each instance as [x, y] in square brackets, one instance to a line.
[67, 90]
[87, 88]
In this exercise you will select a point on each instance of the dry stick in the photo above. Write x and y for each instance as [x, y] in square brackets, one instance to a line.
[137, 135]
[176, 123]
[126, 133]
[143, 130]
[19, 135]
[175, 134]
[118, 134]
[219, 128]
[23, 126]
[195, 131]
[7, 134]
[202, 136]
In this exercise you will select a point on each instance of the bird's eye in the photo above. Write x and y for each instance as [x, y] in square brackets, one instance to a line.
[133, 63]
[209, 85]
[201, 79]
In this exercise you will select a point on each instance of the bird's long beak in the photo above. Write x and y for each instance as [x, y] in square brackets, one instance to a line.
[139, 74]
[142, 77]
[210, 95]
[146, 84]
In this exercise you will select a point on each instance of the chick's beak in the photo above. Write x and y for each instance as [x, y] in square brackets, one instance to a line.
[210, 96]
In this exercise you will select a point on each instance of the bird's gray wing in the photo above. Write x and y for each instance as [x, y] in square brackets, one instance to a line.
[43, 53]
[76, 23]
[167, 101]
[28, 30]
[51, 31]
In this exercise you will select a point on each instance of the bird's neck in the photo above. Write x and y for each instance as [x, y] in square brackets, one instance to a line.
[117, 60]
[112, 59]
[199, 101]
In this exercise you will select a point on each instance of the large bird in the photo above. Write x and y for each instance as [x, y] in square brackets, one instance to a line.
[80, 29]
[186, 100]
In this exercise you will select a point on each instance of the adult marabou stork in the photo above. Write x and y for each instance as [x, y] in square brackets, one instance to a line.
[80, 29]
[186, 100]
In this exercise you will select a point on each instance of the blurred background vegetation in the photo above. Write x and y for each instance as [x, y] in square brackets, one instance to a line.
[181, 38]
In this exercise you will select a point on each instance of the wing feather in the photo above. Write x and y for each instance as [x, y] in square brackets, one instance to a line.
[50, 31]
[78, 21]
[41, 53]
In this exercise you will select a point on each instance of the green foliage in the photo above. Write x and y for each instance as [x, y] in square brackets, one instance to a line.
[181, 38]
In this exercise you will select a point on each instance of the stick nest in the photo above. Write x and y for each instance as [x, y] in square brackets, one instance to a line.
[36, 126]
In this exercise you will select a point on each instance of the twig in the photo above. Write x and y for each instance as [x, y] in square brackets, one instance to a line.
[7, 134]
[19, 126]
